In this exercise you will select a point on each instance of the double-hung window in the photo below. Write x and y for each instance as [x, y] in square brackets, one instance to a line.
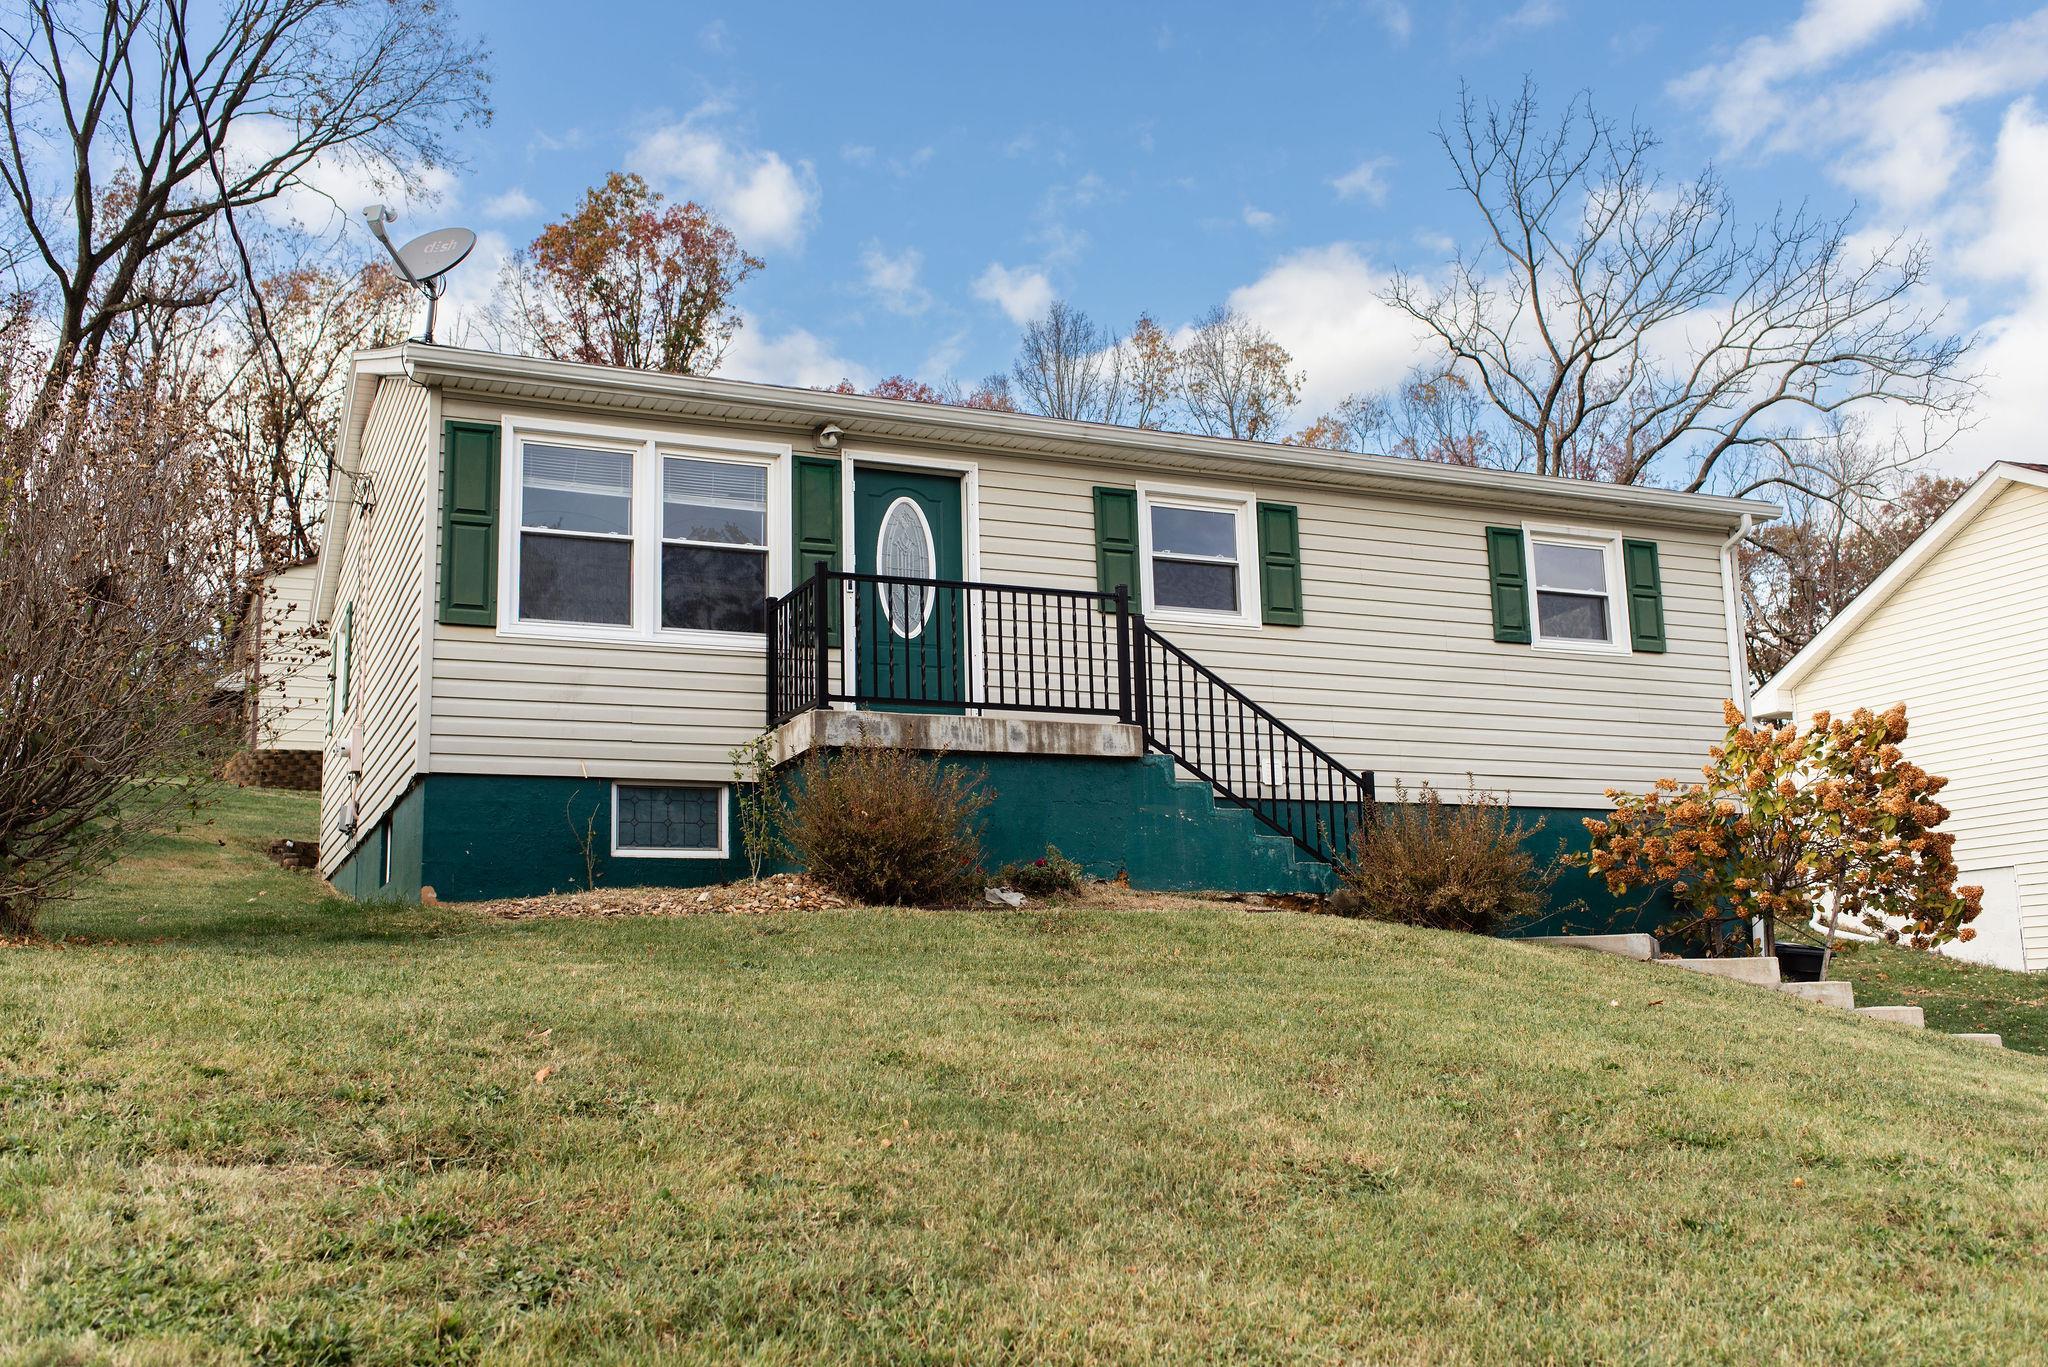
[1198, 556]
[575, 534]
[714, 544]
[666, 537]
[1576, 584]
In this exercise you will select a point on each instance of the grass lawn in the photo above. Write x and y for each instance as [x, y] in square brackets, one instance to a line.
[1956, 996]
[247, 1124]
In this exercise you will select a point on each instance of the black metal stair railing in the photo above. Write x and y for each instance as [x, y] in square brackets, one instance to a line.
[961, 645]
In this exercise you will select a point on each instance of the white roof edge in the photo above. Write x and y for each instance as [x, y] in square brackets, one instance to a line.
[1771, 697]
[460, 368]
[366, 371]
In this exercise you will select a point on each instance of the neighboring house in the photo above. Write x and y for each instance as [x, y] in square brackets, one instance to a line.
[548, 587]
[282, 677]
[1957, 629]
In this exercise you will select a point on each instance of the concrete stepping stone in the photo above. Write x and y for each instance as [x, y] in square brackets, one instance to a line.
[1757, 971]
[1995, 1041]
[1835, 992]
[1627, 946]
[1897, 1015]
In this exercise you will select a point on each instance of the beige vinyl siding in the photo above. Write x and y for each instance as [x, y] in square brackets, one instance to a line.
[385, 694]
[1963, 642]
[291, 670]
[1396, 669]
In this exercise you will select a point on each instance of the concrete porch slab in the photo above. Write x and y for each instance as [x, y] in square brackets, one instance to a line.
[835, 729]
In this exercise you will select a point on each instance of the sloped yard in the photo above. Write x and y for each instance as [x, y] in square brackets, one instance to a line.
[248, 1123]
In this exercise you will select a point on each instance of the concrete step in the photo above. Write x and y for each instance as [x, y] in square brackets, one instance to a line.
[1627, 946]
[1898, 1015]
[1995, 1041]
[1835, 992]
[1756, 971]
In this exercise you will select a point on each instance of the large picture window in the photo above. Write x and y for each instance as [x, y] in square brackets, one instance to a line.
[667, 537]
[1574, 579]
[575, 535]
[714, 544]
[1197, 556]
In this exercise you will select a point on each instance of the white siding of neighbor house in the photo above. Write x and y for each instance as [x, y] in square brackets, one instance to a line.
[1395, 671]
[385, 695]
[1963, 642]
[291, 665]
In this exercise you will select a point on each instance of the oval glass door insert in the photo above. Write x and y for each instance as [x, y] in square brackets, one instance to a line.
[904, 547]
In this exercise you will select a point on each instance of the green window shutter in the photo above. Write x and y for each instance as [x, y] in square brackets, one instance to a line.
[348, 654]
[469, 524]
[814, 525]
[1645, 596]
[1507, 566]
[1279, 565]
[1116, 542]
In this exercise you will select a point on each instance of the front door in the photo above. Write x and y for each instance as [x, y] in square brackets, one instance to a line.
[910, 642]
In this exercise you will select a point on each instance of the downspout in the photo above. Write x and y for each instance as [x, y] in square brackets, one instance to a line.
[1731, 607]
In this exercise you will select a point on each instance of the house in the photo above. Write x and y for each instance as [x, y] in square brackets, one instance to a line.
[560, 594]
[1957, 630]
[281, 673]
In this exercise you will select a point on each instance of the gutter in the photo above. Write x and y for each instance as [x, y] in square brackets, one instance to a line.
[1731, 604]
[645, 393]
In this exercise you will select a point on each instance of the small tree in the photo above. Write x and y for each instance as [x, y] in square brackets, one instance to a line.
[753, 780]
[1787, 821]
[1236, 381]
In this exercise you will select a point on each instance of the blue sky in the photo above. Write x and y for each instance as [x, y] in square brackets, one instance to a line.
[918, 184]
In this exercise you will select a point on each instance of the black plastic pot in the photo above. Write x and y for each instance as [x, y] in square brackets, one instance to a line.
[1800, 963]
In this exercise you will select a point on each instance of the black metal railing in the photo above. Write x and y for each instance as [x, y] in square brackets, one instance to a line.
[1245, 753]
[878, 640]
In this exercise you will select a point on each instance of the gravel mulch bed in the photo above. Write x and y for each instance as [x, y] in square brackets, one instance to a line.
[776, 893]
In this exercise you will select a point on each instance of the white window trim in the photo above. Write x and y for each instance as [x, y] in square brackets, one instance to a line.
[647, 448]
[1245, 507]
[724, 792]
[1609, 545]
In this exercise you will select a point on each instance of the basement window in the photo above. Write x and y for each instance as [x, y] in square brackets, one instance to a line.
[668, 821]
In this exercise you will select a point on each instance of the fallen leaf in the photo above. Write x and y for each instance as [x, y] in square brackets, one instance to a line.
[544, 1074]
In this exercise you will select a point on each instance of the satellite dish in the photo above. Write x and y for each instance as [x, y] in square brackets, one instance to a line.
[432, 255]
[425, 259]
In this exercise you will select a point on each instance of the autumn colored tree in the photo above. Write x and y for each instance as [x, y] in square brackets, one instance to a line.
[1801, 570]
[1068, 367]
[1236, 381]
[1791, 822]
[1151, 375]
[992, 393]
[1434, 414]
[628, 281]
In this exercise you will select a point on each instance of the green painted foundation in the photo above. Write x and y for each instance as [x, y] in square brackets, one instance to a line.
[475, 837]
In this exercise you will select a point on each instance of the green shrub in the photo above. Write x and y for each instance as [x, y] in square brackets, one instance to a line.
[1046, 876]
[887, 827]
[1445, 866]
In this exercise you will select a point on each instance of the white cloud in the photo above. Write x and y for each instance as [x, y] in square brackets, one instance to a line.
[1260, 219]
[1744, 91]
[328, 194]
[767, 201]
[1533, 14]
[857, 154]
[1393, 16]
[513, 203]
[1022, 292]
[2010, 254]
[893, 279]
[796, 357]
[1367, 180]
[714, 37]
[1322, 304]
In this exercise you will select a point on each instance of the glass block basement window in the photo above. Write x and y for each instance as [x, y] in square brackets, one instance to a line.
[668, 820]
